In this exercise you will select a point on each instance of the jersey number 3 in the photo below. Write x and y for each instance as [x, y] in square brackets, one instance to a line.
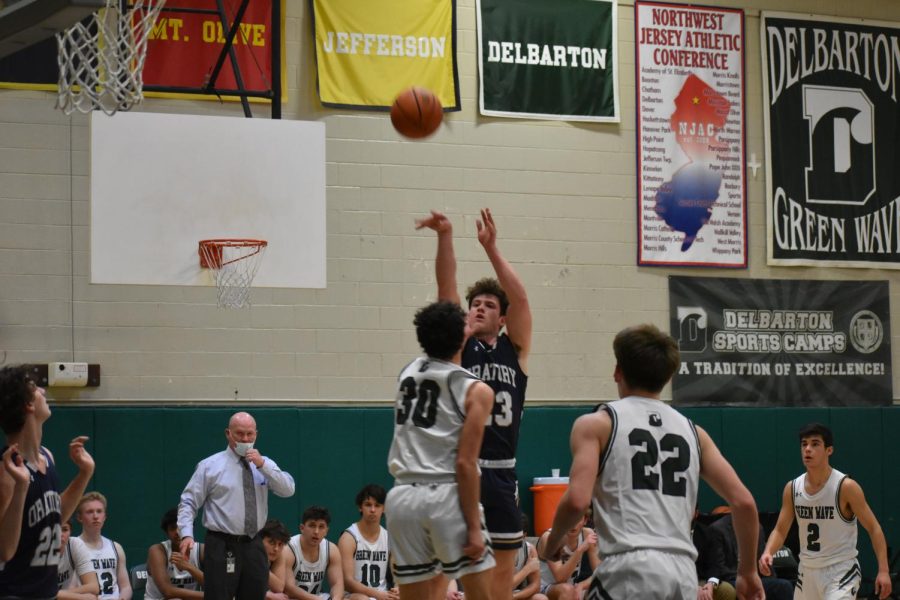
[643, 463]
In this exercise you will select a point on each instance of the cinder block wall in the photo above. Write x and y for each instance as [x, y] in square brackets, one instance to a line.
[563, 195]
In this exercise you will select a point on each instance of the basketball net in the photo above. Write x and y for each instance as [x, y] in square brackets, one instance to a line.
[234, 264]
[101, 59]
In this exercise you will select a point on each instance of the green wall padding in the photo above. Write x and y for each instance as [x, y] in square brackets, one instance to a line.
[145, 456]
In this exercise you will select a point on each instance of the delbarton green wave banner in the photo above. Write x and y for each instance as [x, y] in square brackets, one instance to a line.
[548, 60]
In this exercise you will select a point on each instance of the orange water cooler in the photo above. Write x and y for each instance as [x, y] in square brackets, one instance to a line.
[547, 492]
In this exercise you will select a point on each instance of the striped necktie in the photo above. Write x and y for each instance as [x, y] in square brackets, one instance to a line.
[250, 525]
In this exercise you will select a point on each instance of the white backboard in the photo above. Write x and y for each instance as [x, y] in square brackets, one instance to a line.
[162, 182]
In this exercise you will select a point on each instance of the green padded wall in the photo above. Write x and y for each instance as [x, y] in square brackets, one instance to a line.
[145, 455]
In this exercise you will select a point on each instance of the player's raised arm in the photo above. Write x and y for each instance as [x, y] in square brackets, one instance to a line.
[445, 261]
[518, 314]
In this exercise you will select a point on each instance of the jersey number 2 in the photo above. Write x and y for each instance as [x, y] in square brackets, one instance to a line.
[643, 477]
[422, 403]
[812, 538]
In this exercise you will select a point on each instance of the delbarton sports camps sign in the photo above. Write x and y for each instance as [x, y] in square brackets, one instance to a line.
[832, 135]
[771, 342]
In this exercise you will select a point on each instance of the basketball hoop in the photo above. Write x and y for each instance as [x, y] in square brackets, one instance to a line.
[234, 263]
[101, 60]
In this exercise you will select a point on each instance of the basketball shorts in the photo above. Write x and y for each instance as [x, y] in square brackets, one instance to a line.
[645, 574]
[500, 499]
[839, 581]
[428, 532]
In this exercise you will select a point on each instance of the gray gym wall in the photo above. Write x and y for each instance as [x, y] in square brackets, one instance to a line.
[563, 195]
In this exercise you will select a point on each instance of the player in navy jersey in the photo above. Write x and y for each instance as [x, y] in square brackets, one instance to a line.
[32, 509]
[498, 342]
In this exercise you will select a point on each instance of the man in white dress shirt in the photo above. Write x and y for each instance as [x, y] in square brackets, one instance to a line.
[232, 488]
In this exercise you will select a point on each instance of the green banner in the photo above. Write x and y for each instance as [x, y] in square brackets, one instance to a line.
[548, 60]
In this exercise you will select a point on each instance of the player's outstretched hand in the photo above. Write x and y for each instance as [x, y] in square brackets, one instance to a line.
[15, 466]
[438, 222]
[80, 456]
[474, 547]
[749, 588]
[487, 230]
[765, 564]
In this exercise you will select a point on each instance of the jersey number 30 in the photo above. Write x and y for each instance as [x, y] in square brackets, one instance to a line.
[643, 463]
[422, 403]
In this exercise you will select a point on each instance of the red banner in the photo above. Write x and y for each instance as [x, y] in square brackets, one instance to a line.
[183, 47]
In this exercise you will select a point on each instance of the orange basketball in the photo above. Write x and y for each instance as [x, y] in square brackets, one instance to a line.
[416, 113]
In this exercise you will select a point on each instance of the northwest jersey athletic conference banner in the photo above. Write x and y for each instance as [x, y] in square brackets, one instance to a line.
[769, 342]
[832, 123]
[548, 60]
[692, 193]
[368, 51]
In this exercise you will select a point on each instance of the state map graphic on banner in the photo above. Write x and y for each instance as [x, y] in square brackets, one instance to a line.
[548, 60]
[832, 124]
[690, 135]
[368, 51]
[781, 342]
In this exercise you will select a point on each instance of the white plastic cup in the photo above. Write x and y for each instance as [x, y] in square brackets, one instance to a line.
[554, 472]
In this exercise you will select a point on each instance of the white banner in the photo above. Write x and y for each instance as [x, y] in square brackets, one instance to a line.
[692, 208]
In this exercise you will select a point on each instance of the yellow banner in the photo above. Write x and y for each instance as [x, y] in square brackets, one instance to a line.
[368, 51]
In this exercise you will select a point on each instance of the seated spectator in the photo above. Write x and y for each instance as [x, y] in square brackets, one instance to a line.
[364, 550]
[310, 558]
[77, 579]
[569, 577]
[724, 557]
[107, 556]
[274, 536]
[527, 577]
[169, 573]
[710, 586]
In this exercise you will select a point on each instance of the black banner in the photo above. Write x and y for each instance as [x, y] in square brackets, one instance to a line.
[770, 342]
[832, 133]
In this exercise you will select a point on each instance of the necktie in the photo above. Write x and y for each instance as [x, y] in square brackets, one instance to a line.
[250, 526]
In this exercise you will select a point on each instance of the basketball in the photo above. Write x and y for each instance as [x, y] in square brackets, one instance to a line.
[416, 113]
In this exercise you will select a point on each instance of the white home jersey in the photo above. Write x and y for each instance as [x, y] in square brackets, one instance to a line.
[565, 552]
[370, 559]
[646, 492]
[428, 417]
[73, 563]
[521, 561]
[826, 537]
[178, 578]
[105, 562]
[309, 575]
